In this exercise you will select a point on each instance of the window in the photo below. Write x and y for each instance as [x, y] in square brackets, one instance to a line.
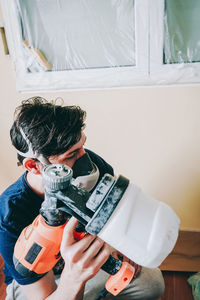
[175, 48]
[76, 35]
[58, 45]
[181, 31]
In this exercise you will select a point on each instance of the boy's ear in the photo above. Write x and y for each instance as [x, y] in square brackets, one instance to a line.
[31, 165]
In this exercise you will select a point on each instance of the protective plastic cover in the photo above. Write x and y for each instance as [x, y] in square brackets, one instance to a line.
[182, 35]
[78, 34]
[64, 44]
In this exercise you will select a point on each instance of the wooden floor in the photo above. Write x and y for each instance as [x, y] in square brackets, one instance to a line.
[176, 286]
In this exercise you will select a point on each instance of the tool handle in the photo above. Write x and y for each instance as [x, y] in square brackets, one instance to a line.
[38, 250]
[112, 265]
[119, 281]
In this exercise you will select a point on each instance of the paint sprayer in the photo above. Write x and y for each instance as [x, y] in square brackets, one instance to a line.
[117, 211]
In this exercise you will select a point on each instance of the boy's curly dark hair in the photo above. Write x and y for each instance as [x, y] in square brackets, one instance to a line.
[52, 129]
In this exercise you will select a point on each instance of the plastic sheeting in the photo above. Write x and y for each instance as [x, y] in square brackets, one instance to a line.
[81, 34]
[182, 34]
[194, 281]
[84, 44]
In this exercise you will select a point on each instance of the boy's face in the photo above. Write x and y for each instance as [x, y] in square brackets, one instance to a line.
[70, 156]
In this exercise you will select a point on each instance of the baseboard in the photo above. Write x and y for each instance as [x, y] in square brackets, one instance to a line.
[186, 253]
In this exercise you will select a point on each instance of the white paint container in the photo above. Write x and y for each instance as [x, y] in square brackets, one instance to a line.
[142, 228]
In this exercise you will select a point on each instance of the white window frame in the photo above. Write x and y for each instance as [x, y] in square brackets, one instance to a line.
[160, 73]
[149, 70]
[78, 79]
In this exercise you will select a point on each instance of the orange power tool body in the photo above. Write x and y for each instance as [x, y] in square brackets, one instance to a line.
[38, 247]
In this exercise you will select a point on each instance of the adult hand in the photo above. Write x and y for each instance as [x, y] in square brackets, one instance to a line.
[84, 258]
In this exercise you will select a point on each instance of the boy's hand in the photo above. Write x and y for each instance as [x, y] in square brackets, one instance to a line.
[84, 258]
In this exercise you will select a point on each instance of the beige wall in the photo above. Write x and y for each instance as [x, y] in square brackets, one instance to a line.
[150, 135]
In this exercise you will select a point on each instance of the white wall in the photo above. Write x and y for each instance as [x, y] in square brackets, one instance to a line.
[150, 135]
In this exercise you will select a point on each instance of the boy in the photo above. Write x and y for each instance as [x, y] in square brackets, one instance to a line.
[45, 133]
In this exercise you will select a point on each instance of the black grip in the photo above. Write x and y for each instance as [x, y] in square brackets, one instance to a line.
[23, 271]
[112, 265]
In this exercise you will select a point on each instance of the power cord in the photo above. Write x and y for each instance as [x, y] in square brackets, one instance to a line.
[102, 294]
